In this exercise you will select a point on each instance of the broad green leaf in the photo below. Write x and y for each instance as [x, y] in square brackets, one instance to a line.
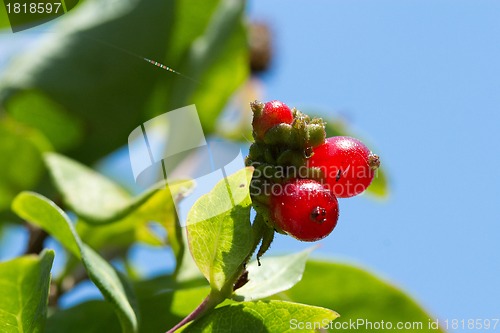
[36, 110]
[335, 128]
[191, 20]
[275, 274]
[263, 316]
[21, 166]
[43, 213]
[99, 201]
[70, 4]
[97, 316]
[173, 300]
[355, 294]
[40, 211]
[186, 269]
[162, 304]
[4, 19]
[218, 60]
[28, 20]
[158, 207]
[219, 229]
[91, 63]
[186, 300]
[24, 283]
[173, 304]
[88, 317]
[120, 234]
[223, 78]
[113, 287]
[90, 195]
[203, 40]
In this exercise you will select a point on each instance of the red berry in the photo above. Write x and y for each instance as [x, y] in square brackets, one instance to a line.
[304, 209]
[273, 113]
[348, 165]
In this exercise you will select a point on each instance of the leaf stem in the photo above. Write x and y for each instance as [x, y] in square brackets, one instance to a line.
[211, 301]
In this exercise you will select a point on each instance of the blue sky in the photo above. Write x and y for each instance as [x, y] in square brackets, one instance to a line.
[420, 80]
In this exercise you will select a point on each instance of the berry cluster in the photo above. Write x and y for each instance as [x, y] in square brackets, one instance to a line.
[299, 173]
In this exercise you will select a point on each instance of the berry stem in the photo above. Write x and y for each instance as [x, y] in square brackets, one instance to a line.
[211, 301]
[374, 161]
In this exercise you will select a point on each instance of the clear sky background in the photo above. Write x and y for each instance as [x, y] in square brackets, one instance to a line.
[420, 80]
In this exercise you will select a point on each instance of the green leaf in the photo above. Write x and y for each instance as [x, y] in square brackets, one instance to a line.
[4, 19]
[223, 78]
[70, 4]
[355, 294]
[25, 284]
[186, 268]
[68, 64]
[42, 212]
[220, 234]
[22, 166]
[164, 295]
[184, 301]
[191, 20]
[336, 128]
[218, 60]
[275, 274]
[160, 208]
[202, 40]
[90, 195]
[263, 316]
[121, 234]
[113, 287]
[36, 110]
[88, 317]
[162, 304]
[98, 201]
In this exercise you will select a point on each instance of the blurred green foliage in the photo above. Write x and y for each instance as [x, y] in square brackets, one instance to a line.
[86, 87]
[355, 294]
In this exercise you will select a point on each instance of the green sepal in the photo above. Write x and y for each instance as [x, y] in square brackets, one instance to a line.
[255, 152]
[315, 135]
[257, 108]
[280, 134]
[267, 239]
[269, 156]
[291, 157]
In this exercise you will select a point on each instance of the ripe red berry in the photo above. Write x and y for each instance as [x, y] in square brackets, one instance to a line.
[304, 209]
[348, 165]
[273, 113]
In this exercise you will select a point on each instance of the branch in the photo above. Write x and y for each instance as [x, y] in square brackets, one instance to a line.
[37, 237]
